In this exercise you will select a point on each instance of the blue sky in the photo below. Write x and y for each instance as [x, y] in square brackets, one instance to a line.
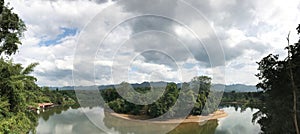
[246, 30]
[58, 39]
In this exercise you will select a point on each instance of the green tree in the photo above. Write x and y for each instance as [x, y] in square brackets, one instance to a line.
[17, 92]
[4, 107]
[16, 85]
[203, 105]
[194, 93]
[11, 29]
[18, 89]
[204, 83]
[281, 86]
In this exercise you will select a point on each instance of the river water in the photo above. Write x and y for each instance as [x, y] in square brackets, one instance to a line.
[74, 121]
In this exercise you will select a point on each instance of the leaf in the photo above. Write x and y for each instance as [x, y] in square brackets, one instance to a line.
[29, 68]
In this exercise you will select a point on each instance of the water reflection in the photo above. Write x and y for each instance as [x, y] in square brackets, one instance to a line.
[195, 128]
[125, 126]
[67, 120]
[239, 120]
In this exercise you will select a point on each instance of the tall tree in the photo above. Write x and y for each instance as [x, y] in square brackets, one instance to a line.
[15, 82]
[11, 29]
[291, 51]
[281, 81]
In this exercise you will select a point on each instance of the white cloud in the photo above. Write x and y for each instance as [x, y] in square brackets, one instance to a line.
[44, 20]
[248, 30]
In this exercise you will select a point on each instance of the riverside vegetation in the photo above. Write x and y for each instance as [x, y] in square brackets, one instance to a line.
[278, 103]
[168, 99]
[18, 90]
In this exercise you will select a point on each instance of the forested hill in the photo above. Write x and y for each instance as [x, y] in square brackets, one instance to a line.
[237, 88]
[228, 88]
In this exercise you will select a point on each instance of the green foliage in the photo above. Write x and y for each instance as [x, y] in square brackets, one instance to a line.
[11, 28]
[203, 81]
[15, 82]
[110, 94]
[56, 97]
[15, 85]
[167, 99]
[17, 124]
[254, 98]
[18, 90]
[4, 107]
[276, 115]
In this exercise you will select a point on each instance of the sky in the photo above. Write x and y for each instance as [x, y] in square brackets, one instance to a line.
[100, 42]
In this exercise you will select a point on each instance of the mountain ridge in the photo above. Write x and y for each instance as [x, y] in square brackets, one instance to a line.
[218, 87]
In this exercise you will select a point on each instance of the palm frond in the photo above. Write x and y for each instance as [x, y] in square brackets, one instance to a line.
[29, 68]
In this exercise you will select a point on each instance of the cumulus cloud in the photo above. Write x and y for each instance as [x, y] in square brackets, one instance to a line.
[151, 47]
[45, 21]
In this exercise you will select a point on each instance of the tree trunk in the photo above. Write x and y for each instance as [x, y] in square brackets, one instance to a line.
[295, 113]
[294, 87]
[295, 102]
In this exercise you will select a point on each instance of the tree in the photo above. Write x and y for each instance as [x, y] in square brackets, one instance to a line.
[17, 92]
[11, 29]
[190, 96]
[4, 107]
[292, 50]
[204, 82]
[281, 86]
[16, 84]
[18, 89]
[204, 104]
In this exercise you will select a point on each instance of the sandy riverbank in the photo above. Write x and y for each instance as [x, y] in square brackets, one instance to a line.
[190, 119]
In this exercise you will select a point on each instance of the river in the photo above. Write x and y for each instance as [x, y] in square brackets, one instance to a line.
[69, 120]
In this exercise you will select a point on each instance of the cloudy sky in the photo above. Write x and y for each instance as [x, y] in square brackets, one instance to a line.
[105, 42]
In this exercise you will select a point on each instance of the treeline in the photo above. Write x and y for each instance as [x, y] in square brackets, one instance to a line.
[243, 97]
[243, 100]
[19, 93]
[194, 93]
[59, 97]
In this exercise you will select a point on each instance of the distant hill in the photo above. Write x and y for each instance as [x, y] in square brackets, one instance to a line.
[236, 88]
[228, 88]
[72, 88]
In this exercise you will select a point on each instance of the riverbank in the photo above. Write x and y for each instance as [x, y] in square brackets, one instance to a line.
[190, 119]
